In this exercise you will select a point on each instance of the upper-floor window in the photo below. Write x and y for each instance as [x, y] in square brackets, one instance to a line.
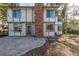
[59, 19]
[50, 13]
[16, 13]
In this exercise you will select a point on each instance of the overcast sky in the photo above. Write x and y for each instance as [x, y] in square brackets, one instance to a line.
[26, 4]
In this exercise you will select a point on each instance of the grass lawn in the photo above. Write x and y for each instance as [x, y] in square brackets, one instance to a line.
[69, 34]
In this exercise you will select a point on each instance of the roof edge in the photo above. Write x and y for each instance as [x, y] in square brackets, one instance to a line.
[28, 6]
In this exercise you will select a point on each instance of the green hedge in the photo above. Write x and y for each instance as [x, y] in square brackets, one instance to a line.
[3, 34]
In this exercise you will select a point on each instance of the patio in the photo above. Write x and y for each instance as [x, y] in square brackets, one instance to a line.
[15, 46]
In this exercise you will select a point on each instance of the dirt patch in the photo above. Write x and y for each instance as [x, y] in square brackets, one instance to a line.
[63, 46]
[60, 49]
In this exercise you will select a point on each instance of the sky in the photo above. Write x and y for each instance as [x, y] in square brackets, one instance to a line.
[31, 4]
[71, 9]
[26, 4]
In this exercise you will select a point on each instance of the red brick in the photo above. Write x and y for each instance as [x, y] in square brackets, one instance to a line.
[39, 19]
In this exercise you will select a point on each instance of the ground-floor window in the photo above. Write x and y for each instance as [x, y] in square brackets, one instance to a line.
[17, 27]
[60, 27]
[49, 27]
[21, 29]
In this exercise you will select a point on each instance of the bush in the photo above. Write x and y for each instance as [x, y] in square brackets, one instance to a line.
[3, 34]
[70, 26]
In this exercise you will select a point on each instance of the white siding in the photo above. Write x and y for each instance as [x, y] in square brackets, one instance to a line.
[23, 33]
[56, 28]
[48, 20]
[33, 29]
[23, 15]
[29, 15]
[26, 15]
[16, 19]
[51, 20]
[17, 34]
[11, 30]
[9, 15]
[60, 32]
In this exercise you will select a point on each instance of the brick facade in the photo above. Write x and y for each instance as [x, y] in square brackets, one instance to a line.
[39, 19]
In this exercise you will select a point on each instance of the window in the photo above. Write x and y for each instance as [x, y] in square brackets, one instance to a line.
[60, 28]
[50, 14]
[17, 27]
[16, 13]
[49, 27]
[60, 19]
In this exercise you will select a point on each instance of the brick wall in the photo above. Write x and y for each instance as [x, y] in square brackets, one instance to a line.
[39, 19]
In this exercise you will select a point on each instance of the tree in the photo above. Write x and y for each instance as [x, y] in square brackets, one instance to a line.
[3, 10]
[64, 15]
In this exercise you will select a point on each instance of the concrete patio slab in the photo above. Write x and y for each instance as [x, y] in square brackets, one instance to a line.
[15, 46]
